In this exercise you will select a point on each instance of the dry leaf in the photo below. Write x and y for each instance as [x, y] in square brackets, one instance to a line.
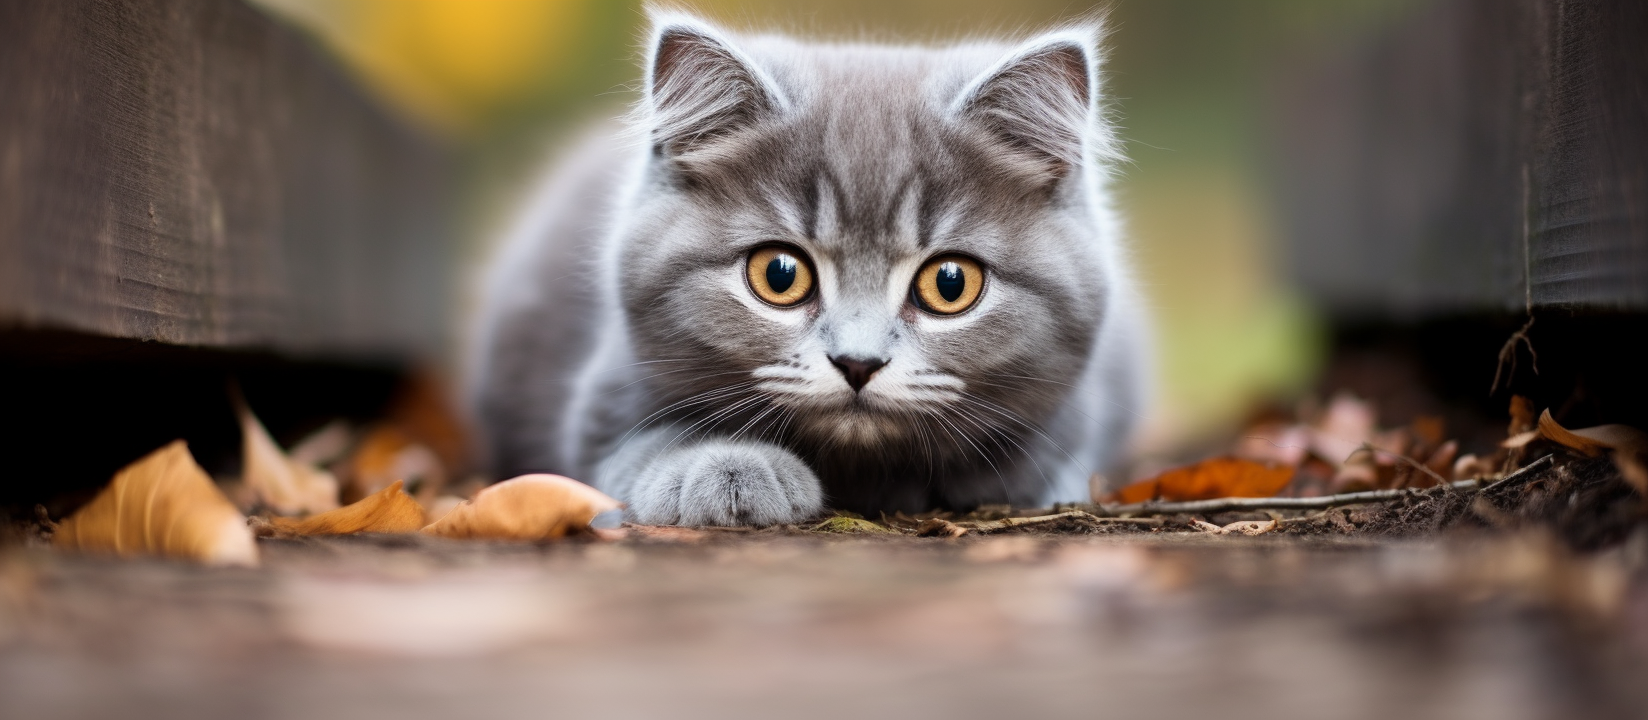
[389, 510]
[1362, 471]
[1628, 445]
[420, 440]
[324, 446]
[436, 509]
[1522, 415]
[1469, 467]
[1240, 527]
[939, 527]
[1216, 478]
[288, 487]
[163, 504]
[1591, 441]
[1275, 443]
[530, 507]
[1347, 425]
[386, 455]
[423, 409]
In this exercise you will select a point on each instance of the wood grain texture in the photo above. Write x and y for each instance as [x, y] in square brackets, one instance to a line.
[1486, 155]
[195, 173]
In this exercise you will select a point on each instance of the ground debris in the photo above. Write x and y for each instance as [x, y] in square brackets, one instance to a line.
[852, 525]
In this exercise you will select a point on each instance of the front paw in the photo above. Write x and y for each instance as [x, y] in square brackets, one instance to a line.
[726, 483]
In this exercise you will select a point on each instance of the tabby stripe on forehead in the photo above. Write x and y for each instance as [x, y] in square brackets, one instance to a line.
[809, 207]
[926, 211]
[838, 197]
[889, 219]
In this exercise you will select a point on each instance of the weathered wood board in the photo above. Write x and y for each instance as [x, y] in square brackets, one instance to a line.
[1484, 155]
[196, 173]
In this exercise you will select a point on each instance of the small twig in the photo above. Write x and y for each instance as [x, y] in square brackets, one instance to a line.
[1507, 354]
[989, 526]
[1274, 503]
[1315, 503]
[1442, 481]
[1518, 476]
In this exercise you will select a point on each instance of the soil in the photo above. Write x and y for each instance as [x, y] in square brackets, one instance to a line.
[1522, 602]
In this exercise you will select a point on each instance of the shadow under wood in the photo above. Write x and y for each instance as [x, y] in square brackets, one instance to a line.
[75, 408]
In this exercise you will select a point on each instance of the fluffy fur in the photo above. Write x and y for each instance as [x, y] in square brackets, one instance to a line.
[619, 341]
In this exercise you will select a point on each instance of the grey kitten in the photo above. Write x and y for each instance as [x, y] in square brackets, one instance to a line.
[876, 278]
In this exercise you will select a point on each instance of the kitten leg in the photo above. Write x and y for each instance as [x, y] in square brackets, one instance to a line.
[710, 482]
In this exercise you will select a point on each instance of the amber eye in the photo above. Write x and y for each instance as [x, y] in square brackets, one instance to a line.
[780, 275]
[948, 285]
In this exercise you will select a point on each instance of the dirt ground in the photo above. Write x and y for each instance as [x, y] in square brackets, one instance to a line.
[1155, 622]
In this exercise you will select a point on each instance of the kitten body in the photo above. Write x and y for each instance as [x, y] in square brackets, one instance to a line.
[620, 339]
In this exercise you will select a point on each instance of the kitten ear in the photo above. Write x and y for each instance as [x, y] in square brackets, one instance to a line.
[1040, 101]
[700, 87]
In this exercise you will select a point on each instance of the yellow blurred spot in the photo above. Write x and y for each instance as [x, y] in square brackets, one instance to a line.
[454, 63]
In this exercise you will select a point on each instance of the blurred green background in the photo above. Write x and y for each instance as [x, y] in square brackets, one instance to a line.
[504, 81]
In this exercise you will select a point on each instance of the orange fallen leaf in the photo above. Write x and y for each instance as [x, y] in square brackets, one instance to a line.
[530, 507]
[1215, 478]
[287, 486]
[389, 510]
[386, 455]
[163, 504]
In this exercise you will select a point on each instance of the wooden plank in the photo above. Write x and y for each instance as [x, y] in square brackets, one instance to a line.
[193, 172]
[1486, 155]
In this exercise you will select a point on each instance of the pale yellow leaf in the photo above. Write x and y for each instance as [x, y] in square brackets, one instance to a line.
[164, 504]
[286, 486]
[529, 507]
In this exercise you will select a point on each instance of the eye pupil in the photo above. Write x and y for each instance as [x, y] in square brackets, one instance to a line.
[951, 281]
[781, 273]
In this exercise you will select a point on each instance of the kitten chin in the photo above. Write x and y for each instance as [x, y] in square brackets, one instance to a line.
[888, 276]
[857, 427]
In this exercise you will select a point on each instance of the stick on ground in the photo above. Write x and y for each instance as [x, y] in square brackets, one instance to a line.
[1309, 503]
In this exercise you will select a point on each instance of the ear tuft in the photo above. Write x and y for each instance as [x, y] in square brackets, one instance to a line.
[1039, 101]
[700, 88]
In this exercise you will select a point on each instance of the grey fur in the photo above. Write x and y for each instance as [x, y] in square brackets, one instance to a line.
[618, 339]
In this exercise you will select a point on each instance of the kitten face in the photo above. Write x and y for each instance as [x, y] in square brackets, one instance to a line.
[858, 165]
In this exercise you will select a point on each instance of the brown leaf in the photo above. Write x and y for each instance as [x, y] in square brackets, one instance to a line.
[1522, 415]
[1429, 430]
[388, 454]
[939, 527]
[420, 440]
[1362, 471]
[530, 507]
[163, 504]
[1468, 467]
[286, 486]
[390, 510]
[324, 446]
[1593, 441]
[1347, 425]
[1216, 478]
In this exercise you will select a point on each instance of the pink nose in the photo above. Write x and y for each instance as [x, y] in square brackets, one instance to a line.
[857, 370]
